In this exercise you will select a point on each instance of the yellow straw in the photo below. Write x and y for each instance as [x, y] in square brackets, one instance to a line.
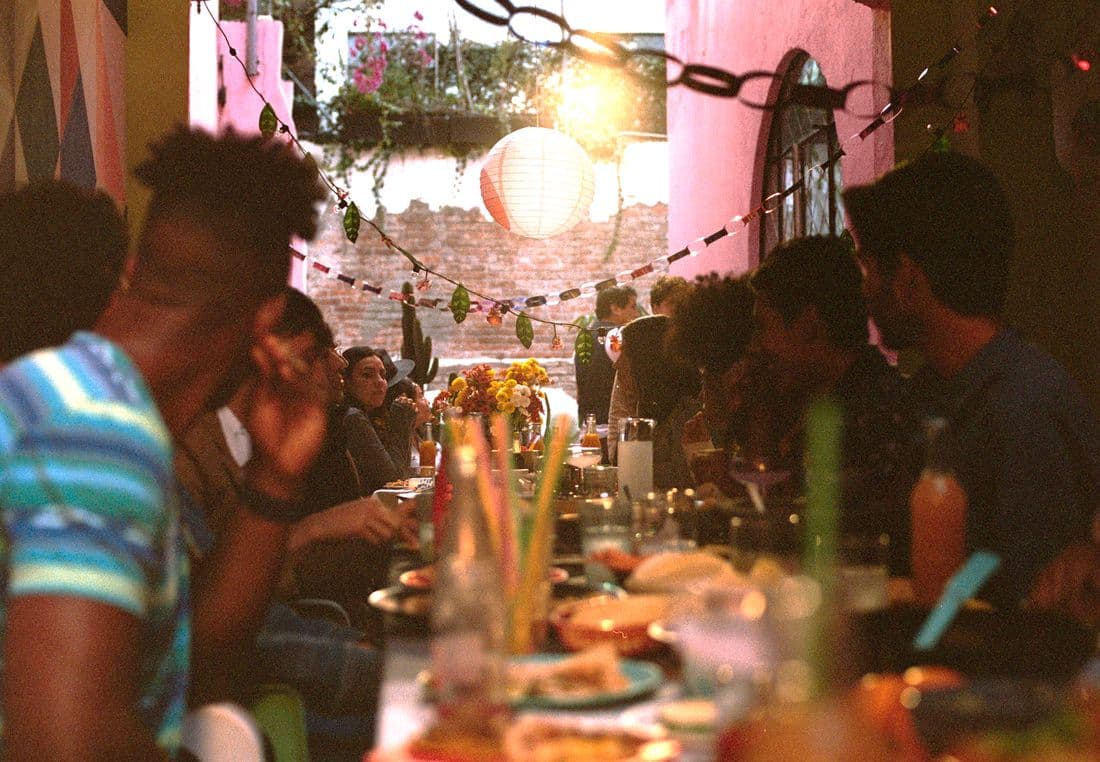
[485, 487]
[505, 500]
[538, 552]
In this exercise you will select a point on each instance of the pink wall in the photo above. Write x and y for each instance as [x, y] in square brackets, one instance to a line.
[243, 106]
[716, 145]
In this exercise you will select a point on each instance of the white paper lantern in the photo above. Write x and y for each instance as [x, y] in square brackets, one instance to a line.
[537, 182]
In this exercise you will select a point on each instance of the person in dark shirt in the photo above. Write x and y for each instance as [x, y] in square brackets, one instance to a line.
[812, 332]
[934, 241]
[615, 306]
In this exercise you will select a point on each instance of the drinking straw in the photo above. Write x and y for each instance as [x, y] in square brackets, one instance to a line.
[537, 556]
[486, 489]
[824, 425]
[962, 586]
[505, 495]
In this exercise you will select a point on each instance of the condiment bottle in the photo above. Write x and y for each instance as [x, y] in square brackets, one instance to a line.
[937, 509]
[590, 437]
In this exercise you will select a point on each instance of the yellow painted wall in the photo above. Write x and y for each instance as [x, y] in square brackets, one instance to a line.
[156, 84]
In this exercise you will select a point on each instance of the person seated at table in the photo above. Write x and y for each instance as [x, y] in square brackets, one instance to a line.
[666, 388]
[77, 236]
[713, 329]
[327, 663]
[378, 435]
[934, 240]
[665, 296]
[812, 328]
[408, 389]
[103, 622]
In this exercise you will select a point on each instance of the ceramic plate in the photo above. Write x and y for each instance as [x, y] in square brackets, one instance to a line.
[663, 632]
[400, 600]
[424, 577]
[642, 679]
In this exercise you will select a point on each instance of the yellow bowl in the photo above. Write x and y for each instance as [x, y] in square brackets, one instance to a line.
[622, 622]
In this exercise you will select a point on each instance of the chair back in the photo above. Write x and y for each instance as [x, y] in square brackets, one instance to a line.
[222, 732]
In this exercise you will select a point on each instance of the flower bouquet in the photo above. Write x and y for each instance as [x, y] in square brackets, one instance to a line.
[515, 392]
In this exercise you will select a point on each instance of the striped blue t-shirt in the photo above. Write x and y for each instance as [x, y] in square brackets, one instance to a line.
[90, 505]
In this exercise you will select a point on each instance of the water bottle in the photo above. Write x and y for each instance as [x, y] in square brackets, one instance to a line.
[468, 646]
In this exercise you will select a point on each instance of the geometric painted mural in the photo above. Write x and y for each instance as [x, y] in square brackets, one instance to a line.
[62, 69]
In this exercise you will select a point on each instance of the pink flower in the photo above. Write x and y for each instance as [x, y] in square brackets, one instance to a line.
[360, 43]
[418, 15]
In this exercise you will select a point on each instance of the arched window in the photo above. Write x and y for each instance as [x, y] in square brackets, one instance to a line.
[801, 138]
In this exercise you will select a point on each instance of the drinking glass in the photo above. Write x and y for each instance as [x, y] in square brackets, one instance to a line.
[863, 571]
[757, 473]
[722, 641]
[606, 523]
[636, 456]
[750, 539]
[667, 524]
[580, 458]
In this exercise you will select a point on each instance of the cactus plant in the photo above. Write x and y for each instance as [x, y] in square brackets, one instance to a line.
[413, 344]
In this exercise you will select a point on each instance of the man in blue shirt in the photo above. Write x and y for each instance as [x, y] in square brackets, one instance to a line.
[101, 617]
[934, 241]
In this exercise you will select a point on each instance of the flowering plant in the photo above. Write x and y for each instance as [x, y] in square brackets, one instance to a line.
[515, 392]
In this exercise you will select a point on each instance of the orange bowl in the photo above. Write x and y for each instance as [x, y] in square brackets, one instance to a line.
[622, 622]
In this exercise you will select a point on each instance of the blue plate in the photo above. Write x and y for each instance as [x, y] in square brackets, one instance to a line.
[642, 679]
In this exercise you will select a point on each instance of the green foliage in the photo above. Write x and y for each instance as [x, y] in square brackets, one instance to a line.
[525, 331]
[460, 303]
[582, 347]
[268, 121]
[413, 344]
[351, 222]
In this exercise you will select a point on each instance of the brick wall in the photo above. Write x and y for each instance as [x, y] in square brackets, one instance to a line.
[485, 258]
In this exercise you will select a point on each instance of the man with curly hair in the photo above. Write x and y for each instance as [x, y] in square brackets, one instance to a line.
[101, 618]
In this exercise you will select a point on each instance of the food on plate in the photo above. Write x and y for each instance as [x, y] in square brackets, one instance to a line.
[689, 715]
[536, 739]
[459, 739]
[591, 672]
[415, 483]
[670, 572]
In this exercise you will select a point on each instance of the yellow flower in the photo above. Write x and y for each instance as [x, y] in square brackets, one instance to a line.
[458, 385]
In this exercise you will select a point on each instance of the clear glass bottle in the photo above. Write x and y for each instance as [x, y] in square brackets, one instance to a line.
[468, 614]
[590, 437]
[427, 450]
[937, 512]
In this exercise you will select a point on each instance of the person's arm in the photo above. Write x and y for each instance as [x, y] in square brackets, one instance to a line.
[367, 519]
[287, 423]
[375, 465]
[397, 438]
[71, 677]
